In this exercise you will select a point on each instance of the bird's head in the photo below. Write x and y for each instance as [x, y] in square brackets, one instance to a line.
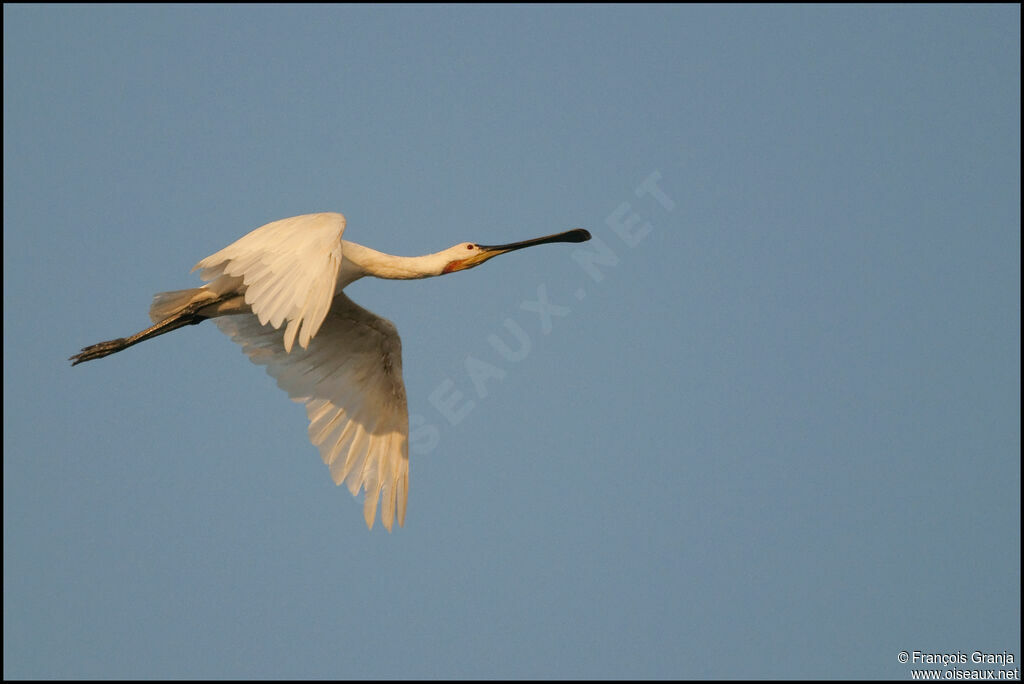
[469, 254]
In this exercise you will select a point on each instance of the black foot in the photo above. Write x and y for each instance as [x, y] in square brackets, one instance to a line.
[99, 350]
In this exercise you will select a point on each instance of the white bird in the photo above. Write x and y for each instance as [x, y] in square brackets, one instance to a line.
[347, 368]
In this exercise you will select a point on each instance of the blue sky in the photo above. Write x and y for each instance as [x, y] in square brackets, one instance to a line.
[772, 431]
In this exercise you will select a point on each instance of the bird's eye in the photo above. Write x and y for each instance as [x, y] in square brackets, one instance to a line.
[470, 246]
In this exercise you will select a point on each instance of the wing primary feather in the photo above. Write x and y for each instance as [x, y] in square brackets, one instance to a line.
[349, 378]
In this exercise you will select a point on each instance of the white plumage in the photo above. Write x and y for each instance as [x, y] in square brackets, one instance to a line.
[355, 400]
[347, 366]
[287, 269]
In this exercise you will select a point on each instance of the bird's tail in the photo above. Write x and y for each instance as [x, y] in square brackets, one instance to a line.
[170, 311]
[166, 304]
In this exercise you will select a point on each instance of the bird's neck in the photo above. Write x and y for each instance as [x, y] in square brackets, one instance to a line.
[362, 261]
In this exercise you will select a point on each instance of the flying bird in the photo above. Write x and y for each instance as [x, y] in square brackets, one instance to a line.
[340, 360]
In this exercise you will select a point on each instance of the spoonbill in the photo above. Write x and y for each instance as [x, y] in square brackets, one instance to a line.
[347, 368]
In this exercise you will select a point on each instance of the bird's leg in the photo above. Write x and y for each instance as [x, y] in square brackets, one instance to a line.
[186, 316]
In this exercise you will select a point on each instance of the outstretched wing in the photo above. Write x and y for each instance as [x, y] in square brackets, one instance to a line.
[350, 379]
[288, 270]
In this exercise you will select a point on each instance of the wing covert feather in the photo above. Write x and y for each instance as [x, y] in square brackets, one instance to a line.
[288, 270]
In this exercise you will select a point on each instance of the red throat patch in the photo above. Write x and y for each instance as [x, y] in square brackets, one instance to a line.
[454, 266]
